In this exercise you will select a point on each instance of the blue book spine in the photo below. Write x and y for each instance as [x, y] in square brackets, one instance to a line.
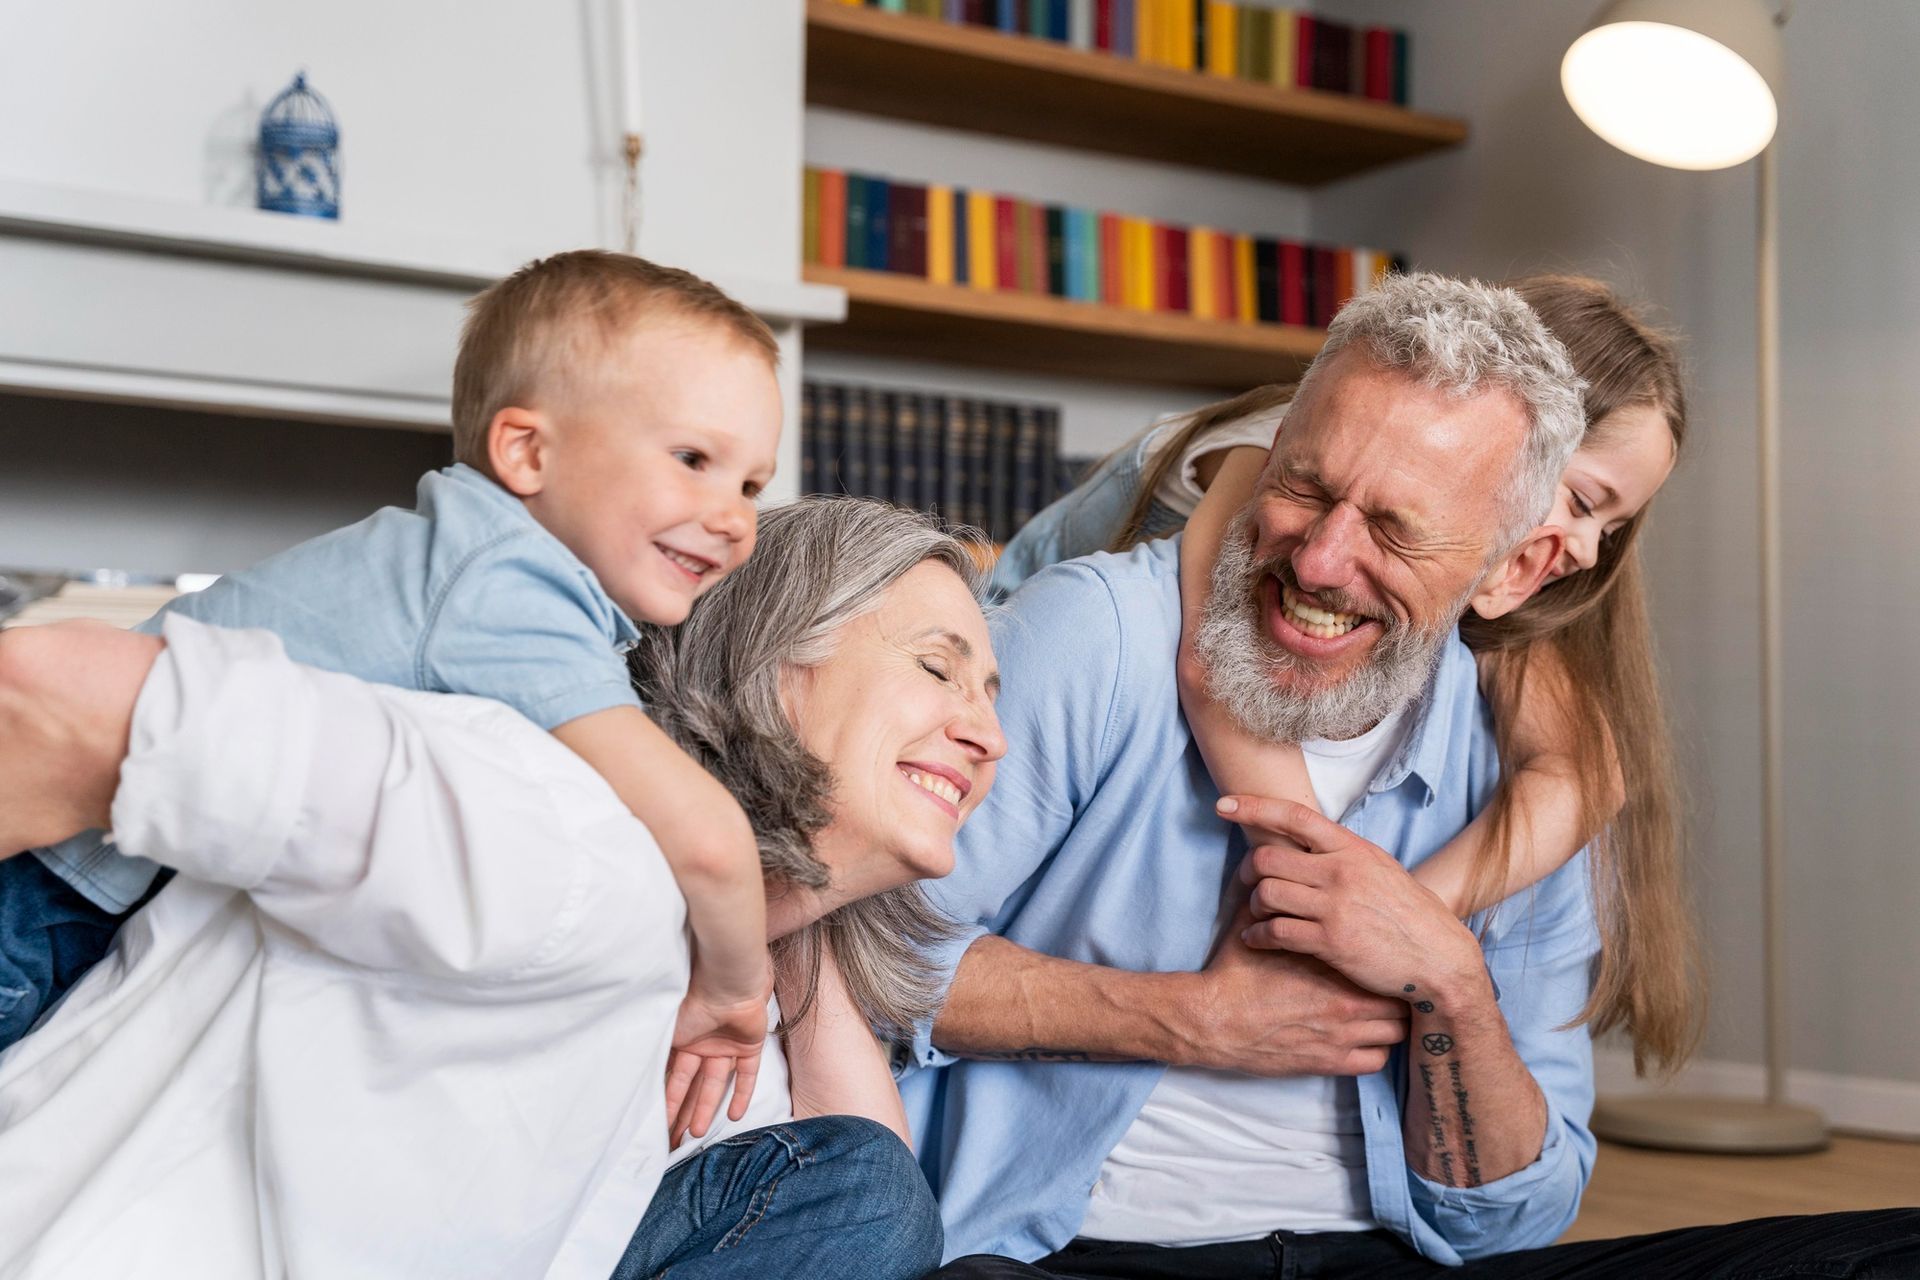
[1123, 24]
[954, 10]
[856, 250]
[927, 465]
[953, 460]
[961, 247]
[1057, 20]
[879, 225]
[1071, 231]
[1006, 15]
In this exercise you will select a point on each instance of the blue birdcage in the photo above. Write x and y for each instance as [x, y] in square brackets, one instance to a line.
[299, 162]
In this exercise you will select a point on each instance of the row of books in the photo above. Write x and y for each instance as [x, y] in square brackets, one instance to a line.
[1284, 47]
[952, 235]
[986, 463]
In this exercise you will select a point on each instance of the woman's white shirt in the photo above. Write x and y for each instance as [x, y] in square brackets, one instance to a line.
[404, 1012]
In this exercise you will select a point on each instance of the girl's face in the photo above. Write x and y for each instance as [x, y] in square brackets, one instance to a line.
[1607, 484]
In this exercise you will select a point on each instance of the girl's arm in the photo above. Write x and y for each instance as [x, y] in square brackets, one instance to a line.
[1551, 820]
[835, 1066]
[1239, 762]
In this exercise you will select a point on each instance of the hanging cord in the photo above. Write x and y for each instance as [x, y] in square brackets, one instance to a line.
[630, 203]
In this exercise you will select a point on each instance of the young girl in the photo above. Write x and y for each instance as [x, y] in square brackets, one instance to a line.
[1569, 674]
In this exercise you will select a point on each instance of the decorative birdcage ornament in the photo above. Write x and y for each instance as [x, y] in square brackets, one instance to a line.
[299, 162]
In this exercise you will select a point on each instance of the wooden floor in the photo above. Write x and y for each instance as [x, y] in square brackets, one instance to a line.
[1635, 1191]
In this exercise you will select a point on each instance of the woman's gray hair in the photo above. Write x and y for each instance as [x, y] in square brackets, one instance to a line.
[714, 683]
[1460, 336]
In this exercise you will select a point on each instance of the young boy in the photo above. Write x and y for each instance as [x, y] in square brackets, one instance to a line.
[613, 421]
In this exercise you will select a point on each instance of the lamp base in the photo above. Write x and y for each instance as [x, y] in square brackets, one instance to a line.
[1731, 1126]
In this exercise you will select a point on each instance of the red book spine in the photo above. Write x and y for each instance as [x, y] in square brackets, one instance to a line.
[1226, 297]
[833, 218]
[1179, 269]
[1303, 53]
[1103, 24]
[1006, 242]
[1379, 82]
[1110, 260]
[1326, 298]
[1293, 283]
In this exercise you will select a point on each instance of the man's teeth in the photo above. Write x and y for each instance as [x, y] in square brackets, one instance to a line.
[936, 784]
[689, 563]
[1322, 624]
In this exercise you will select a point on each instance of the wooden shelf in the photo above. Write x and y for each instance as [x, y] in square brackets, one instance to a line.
[914, 68]
[905, 316]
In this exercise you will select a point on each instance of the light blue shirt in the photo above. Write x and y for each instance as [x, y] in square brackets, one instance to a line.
[466, 593]
[1099, 843]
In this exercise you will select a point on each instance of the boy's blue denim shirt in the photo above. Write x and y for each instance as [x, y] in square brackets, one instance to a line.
[466, 593]
[1099, 843]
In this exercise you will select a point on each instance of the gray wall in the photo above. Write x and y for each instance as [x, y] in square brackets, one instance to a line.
[165, 491]
[1535, 189]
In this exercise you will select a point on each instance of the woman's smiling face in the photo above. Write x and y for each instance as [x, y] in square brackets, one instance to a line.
[1609, 482]
[902, 714]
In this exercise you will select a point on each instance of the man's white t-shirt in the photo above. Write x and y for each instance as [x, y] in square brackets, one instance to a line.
[1217, 1155]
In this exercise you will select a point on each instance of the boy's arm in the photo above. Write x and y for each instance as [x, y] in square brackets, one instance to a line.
[710, 849]
[1237, 761]
[1550, 819]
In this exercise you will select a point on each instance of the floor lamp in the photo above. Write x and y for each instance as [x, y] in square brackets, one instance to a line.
[1694, 84]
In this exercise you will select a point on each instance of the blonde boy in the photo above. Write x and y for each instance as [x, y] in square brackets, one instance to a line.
[613, 422]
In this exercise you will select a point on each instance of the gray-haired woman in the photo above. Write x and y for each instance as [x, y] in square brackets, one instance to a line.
[841, 684]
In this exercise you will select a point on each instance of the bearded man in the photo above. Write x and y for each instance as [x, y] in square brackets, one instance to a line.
[1118, 1085]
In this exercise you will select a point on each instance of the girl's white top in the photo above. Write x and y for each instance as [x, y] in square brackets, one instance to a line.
[404, 1012]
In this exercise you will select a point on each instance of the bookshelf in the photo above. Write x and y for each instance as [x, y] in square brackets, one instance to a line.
[913, 68]
[890, 314]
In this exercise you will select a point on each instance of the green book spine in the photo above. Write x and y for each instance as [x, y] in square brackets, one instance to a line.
[856, 252]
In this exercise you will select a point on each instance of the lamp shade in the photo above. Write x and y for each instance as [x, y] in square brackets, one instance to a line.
[1690, 84]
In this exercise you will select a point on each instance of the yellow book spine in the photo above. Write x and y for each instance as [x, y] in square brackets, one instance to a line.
[1244, 304]
[1139, 264]
[1147, 25]
[1180, 33]
[1223, 37]
[1200, 275]
[1285, 26]
[981, 261]
[939, 234]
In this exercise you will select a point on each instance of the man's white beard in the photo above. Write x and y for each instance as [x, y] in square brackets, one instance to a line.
[1243, 662]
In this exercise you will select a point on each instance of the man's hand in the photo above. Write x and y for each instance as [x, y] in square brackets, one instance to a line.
[66, 707]
[1269, 1013]
[1322, 891]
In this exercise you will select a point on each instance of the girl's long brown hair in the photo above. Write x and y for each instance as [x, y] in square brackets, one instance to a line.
[1586, 643]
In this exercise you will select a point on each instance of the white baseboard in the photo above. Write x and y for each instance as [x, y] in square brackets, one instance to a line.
[1858, 1104]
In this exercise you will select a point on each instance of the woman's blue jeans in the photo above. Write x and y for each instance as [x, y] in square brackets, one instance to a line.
[835, 1198]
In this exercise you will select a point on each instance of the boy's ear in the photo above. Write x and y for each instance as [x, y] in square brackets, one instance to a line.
[1518, 574]
[517, 445]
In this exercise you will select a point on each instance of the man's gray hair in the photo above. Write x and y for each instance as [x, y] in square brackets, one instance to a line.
[1462, 337]
[714, 684]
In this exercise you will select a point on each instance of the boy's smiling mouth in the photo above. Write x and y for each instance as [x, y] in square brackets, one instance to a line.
[695, 567]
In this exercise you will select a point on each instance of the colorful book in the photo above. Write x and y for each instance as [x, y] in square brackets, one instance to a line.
[810, 216]
[1401, 71]
[1246, 300]
[982, 265]
[1126, 28]
[1303, 38]
[1266, 279]
[833, 218]
[962, 256]
[1177, 246]
[938, 252]
[1293, 283]
[1036, 241]
[1205, 305]
[856, 247]
[1282, 61]
[879, 224]
[1006, 235]
[1260, 57]
[1112, 255]
[1223, 37]
[1054, 232]
[1228, 299]
[1103, 24]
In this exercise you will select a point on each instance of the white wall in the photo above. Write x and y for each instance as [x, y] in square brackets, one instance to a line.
[1535, 189]
[488, 125]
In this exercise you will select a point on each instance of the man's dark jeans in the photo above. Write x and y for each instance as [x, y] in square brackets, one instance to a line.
[1875, 1244]
[834, 1198]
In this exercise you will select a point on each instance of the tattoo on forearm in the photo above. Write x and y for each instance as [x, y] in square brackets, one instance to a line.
[1466, 1122]
[1437, 1043]
[1441, 1151]
[1032, 1053]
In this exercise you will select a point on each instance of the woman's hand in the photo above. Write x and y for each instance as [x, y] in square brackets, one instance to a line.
[66, 708]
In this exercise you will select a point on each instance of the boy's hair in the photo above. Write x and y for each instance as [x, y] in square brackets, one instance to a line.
[544, 320]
